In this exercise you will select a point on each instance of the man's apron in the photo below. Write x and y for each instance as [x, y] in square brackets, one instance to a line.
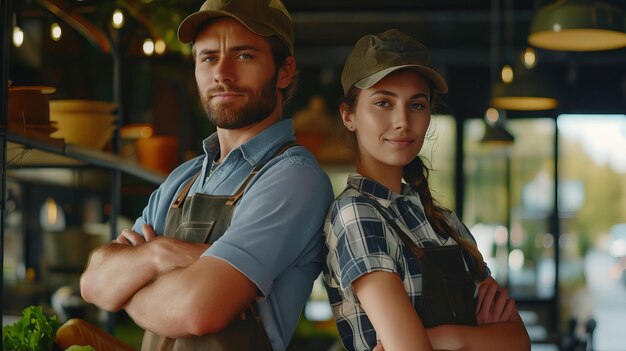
[203, 218]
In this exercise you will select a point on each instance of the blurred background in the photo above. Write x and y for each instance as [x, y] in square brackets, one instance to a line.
[528, 147]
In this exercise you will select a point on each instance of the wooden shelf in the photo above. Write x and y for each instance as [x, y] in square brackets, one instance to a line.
[25, 152]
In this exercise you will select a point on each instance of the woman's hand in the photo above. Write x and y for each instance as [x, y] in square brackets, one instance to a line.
[494, 303]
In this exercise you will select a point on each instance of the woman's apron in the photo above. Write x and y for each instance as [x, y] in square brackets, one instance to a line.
[203, 218]
[447, 287]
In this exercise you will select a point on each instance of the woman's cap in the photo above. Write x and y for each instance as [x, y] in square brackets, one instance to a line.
[375, 56]
[263, 17]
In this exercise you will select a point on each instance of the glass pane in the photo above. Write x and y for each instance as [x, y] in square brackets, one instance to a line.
[592, 208]
[439, 149]
[509, 189]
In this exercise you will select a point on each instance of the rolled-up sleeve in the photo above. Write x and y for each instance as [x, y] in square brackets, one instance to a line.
[278, 222]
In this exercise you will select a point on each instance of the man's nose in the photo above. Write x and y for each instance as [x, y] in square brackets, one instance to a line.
[223, 71]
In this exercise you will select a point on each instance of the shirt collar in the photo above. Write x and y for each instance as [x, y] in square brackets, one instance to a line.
[254, 150]
[375, 190]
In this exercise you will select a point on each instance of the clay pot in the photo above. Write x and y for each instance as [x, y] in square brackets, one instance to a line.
[158, 153]
[29, 106]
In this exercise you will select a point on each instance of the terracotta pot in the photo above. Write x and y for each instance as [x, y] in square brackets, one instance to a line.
[158, 153]
[29, 106]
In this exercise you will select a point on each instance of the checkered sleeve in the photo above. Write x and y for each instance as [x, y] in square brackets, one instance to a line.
[359, 244]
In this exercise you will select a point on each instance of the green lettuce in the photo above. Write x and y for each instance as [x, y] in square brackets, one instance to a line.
[34, 331]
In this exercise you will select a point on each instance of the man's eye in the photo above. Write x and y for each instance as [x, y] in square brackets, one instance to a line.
[245, 56]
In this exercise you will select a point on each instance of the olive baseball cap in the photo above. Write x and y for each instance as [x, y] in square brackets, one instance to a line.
[263, 17]
[375, 56]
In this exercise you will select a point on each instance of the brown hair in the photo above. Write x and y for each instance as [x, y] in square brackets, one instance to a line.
[415, 174]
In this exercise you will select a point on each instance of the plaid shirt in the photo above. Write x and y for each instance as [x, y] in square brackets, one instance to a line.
[359, 241]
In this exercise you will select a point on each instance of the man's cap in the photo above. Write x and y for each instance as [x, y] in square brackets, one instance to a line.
[263, 17]
[375, 56]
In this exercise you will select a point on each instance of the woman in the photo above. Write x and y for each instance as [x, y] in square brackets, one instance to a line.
[386, 240]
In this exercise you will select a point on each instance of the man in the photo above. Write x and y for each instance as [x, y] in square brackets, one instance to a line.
[247, 230]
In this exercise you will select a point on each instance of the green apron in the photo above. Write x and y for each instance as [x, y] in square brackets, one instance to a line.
[203, 218]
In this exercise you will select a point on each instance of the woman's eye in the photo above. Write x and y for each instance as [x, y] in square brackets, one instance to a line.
[382, 103]
[416, 106]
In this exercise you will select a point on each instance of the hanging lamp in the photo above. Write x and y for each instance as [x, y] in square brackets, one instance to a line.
[495, 131]
[530, 90]
[578, 25]
[496, 134]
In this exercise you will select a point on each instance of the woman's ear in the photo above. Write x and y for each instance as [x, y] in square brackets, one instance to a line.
[347, 117]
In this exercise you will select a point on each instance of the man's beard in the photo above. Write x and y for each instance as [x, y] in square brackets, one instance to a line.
[225, 116]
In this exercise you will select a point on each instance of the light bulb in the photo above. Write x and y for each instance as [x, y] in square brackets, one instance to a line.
[118, 19]
[159, 46]
[18, 36]
[507, 74]
[529, 58]
[55, 31]
[491, 115]
[148, 47]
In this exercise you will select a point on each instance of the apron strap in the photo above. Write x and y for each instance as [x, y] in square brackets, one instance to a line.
[237, 196]
[183, 193]
[417, 251]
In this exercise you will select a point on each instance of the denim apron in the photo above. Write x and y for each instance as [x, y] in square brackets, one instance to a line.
[203, 218]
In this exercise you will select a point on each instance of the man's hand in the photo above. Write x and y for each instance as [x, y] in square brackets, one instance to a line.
[494, 303]
[129, 237]
[169, 253]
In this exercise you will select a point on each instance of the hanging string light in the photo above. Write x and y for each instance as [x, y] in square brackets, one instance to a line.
[55, 31]
[159, 46]
[148, 47]
[118, 19]
[529, 58]
[18, 36]
[507, 74]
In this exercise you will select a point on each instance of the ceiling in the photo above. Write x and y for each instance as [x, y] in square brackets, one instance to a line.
[468, 39]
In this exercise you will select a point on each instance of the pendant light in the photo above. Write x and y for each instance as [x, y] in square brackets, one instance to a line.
[495, 132]
[578, 25]
[530, 90]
